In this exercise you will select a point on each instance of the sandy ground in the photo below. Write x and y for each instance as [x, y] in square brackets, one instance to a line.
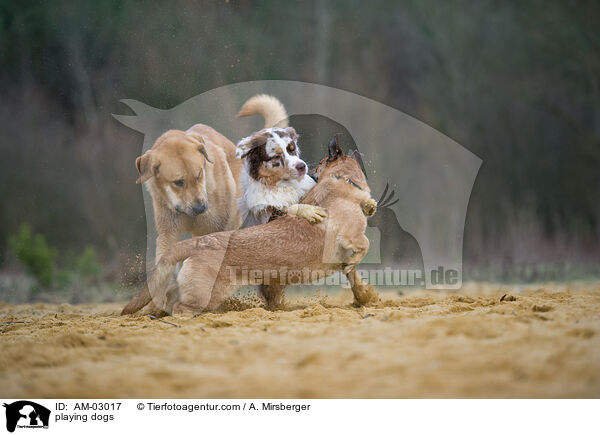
[546, 343]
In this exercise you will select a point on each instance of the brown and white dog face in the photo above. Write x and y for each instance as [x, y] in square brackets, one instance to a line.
[175, 165]
[272, 155]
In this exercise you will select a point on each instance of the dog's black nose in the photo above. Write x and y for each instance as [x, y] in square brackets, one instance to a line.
[300, 166]
[199, 209]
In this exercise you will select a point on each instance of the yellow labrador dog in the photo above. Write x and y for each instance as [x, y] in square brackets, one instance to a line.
[193, 178]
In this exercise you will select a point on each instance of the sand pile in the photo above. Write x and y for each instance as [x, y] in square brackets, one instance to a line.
[544, 343]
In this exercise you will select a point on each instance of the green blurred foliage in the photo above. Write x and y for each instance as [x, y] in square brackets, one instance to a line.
[87, 264]
[37, 257]
[40, 261]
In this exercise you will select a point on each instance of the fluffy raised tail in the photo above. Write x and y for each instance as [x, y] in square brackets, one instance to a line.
[157, 284]
[269, 107]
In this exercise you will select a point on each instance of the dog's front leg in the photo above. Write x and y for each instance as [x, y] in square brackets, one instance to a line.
[164, 241]
[311, 213]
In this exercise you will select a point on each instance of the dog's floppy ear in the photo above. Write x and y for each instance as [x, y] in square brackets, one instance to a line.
[201, 145]
[292, 133]
[334, 148]
[146, 166]
[202, 149]
[248, 143]
[243, 147]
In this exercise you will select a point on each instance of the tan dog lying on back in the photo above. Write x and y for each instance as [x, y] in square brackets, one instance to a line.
[213, 264]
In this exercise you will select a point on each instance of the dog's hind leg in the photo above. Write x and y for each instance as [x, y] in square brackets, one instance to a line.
[355, 249]
[195, 281]
[363, 293]
[204, 283]
[272, 294]
[165, 306]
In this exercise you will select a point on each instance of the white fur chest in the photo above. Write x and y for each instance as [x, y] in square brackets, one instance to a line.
[258, 197]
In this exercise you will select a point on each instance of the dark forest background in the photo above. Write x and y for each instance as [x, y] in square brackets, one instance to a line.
[517, 83]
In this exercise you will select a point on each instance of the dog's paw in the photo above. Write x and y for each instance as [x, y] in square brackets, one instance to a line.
[315, 214]
[365, 295]
[311, 213]
[369, 207]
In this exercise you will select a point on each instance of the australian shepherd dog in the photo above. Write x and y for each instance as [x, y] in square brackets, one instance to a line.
[274, 178]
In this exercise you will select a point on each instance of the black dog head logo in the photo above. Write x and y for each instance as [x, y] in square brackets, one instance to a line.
[398, 248]
[432, 174]
[26, 413]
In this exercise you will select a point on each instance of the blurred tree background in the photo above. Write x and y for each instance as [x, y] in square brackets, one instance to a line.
[517, 83]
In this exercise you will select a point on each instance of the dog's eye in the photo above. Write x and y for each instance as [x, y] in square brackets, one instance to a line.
[178, 183]
[291, 148]
[349, 181]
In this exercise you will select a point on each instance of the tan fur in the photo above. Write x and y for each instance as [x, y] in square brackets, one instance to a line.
[179, 155]
[267, 106]
[288, 243]
[271, 176]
